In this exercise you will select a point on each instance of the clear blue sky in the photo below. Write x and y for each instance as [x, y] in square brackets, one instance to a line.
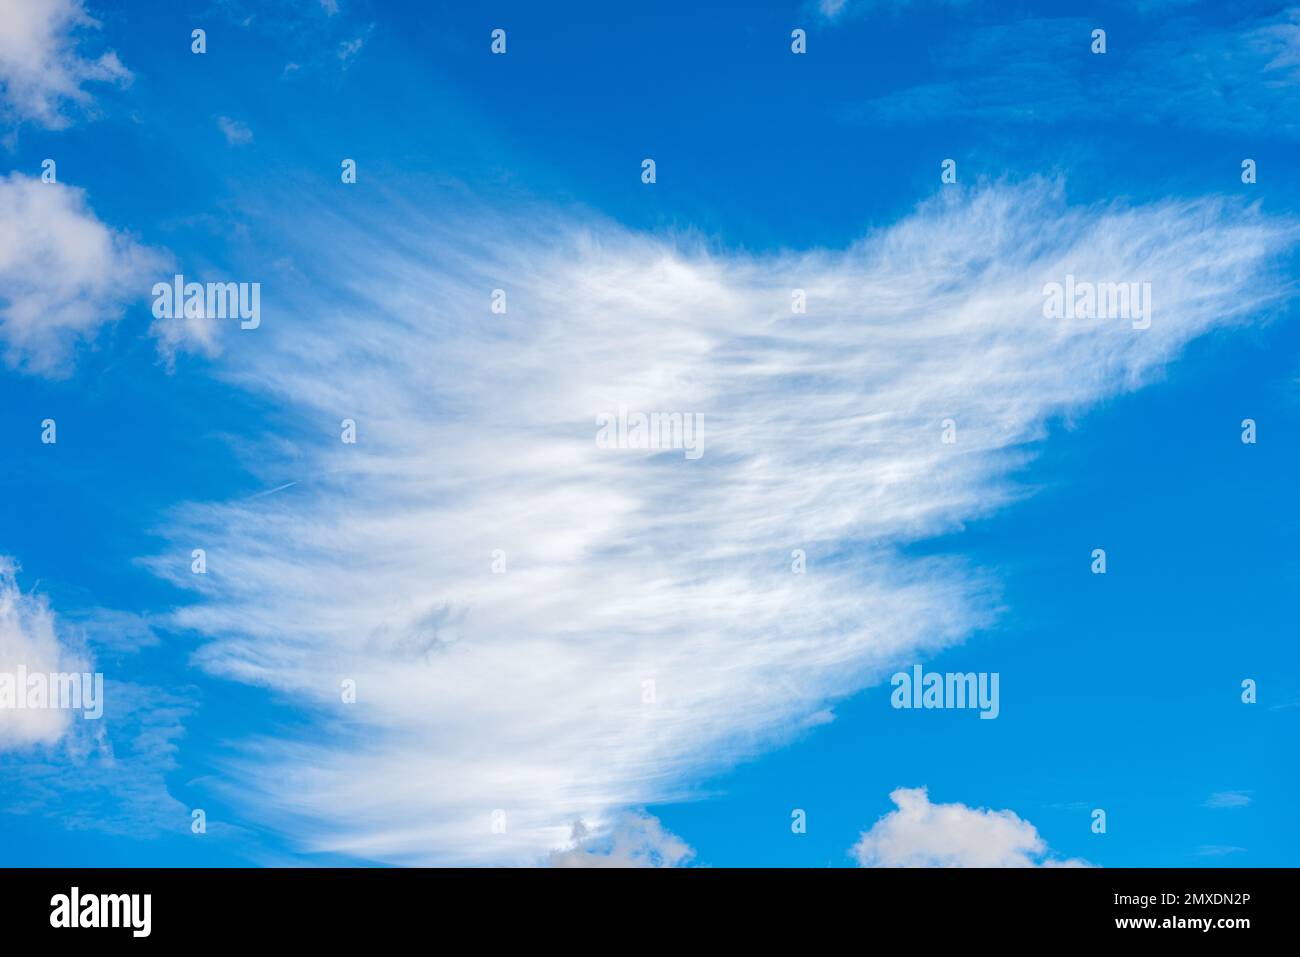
[1119, 692]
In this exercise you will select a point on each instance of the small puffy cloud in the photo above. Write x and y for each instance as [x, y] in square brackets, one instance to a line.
[63, 273]
[922, 834]
[41, 69]
[235, 132]
[28, 639]
[1224, 799]
[638, 840]
[349, 49]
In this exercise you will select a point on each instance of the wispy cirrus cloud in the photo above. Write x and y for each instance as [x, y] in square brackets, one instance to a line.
[837, 10]
[644, 626]
[349, 49]
[1242, 76]
[108, 775]
[236, 132]
[1228, 799]
[1218, 850]
[315, 33]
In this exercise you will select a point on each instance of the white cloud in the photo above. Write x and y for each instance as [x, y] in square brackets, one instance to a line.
[833, 10]
[63, 273]
[28, 638]
[637, 840]
[41, 69]
[348, 49]
[1242, 76]
[1218, 850]
[113, 630]
[235, 132]
[921, 834]
[1226, 799]
[524, 691]
[108, 773]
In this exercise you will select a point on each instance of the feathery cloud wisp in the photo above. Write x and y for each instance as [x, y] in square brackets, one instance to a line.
[1227, 799]
[1243, 77]
[647, 627]
[235, 132]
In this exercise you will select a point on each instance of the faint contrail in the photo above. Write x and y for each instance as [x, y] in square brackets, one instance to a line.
[272, 491]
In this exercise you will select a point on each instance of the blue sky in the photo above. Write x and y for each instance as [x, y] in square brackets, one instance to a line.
[522, 691]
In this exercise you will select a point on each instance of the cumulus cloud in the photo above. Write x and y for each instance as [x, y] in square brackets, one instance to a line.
[41, 69]
[922, 834]
[637, 840]
[106, 774]
[28, 638]
[63, 273]
[643, 626]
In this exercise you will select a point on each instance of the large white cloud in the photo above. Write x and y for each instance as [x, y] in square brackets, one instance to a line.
[63, 273]
[41, 69]
[528, 692]
[921, 834]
